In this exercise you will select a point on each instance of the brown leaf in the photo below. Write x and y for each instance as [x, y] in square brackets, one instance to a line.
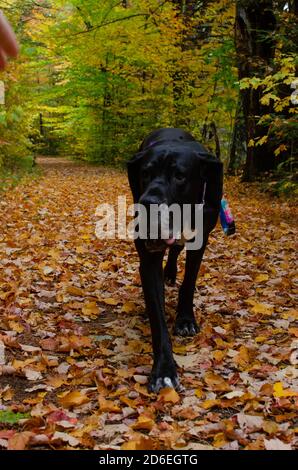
[216, 382]
[20, 440]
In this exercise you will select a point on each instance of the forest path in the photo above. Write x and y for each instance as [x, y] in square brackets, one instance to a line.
[75, 349]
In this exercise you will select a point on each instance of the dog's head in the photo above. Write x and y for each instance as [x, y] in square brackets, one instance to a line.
[174, 173]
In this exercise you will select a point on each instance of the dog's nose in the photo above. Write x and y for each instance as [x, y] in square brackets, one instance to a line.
[149, 199]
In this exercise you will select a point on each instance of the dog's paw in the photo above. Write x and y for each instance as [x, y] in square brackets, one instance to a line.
[164, 374]
[186, 327]
[170, 275]
[157, 383]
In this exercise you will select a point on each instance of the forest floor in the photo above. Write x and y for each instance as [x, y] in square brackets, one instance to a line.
[75, 349]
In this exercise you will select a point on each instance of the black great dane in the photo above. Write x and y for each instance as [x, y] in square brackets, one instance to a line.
[171, 167]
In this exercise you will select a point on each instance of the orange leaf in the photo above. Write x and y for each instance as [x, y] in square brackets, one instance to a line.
[90, 308]
[108, 406]
[142, 443]
[216, 382]
[169, 395]
[110, 301]
[143, 422]
[73, 290]
[73, 399]
[128, 307]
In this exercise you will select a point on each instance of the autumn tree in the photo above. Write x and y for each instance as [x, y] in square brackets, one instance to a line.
[266, 69]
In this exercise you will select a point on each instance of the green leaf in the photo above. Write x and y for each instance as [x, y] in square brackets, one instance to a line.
[9, 417]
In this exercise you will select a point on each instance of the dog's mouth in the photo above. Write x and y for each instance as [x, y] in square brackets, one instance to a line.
[170, 241]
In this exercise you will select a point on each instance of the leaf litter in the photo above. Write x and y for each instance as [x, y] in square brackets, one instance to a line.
[75, 347]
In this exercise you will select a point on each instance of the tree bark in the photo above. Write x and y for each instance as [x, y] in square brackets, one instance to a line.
[255, 46]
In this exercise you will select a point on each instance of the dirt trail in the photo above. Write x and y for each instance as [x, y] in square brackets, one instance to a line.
[75, 344]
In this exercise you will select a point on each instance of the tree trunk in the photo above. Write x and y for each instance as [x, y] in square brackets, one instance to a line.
[238, 145]
[255, 46]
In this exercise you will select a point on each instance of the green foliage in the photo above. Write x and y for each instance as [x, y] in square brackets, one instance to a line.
[9, 417]
[277, 94]
[95, 77]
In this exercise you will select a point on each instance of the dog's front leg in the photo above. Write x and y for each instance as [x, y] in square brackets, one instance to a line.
[186, 324]
[164, 372]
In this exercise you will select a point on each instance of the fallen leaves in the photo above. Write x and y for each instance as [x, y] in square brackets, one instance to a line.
[276, 444]
[216, 383]
[279, 392]
[75, 345]
[169, 395]
[144, 422]
[72, 399]
[263, 309]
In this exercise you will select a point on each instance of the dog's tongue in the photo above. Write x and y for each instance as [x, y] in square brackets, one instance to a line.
[170, 241]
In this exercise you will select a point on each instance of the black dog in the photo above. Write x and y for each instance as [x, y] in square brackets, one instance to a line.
[172, 167]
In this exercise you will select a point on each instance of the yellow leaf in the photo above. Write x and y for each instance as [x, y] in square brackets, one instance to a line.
[129, 402]
[168, 394]
[260, 339]
[263, 140]
[15, 326]
[199, 393]
[291, 313]
[279, 391]
[110, 301]
[142, 390]
[219, 355]
[219, 440]
[105, 265]
[261, 277]
[242, 358]
[210, 404]
[263, 309]
[179, 349]
[270, 427]
[128, 307]
[90, 308]
[281, 148]
[251, 143]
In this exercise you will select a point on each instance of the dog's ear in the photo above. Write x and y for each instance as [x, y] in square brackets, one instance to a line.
[211, 173]
[133, 171]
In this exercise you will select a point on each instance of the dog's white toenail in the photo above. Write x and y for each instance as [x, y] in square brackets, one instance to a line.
[168, 382]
